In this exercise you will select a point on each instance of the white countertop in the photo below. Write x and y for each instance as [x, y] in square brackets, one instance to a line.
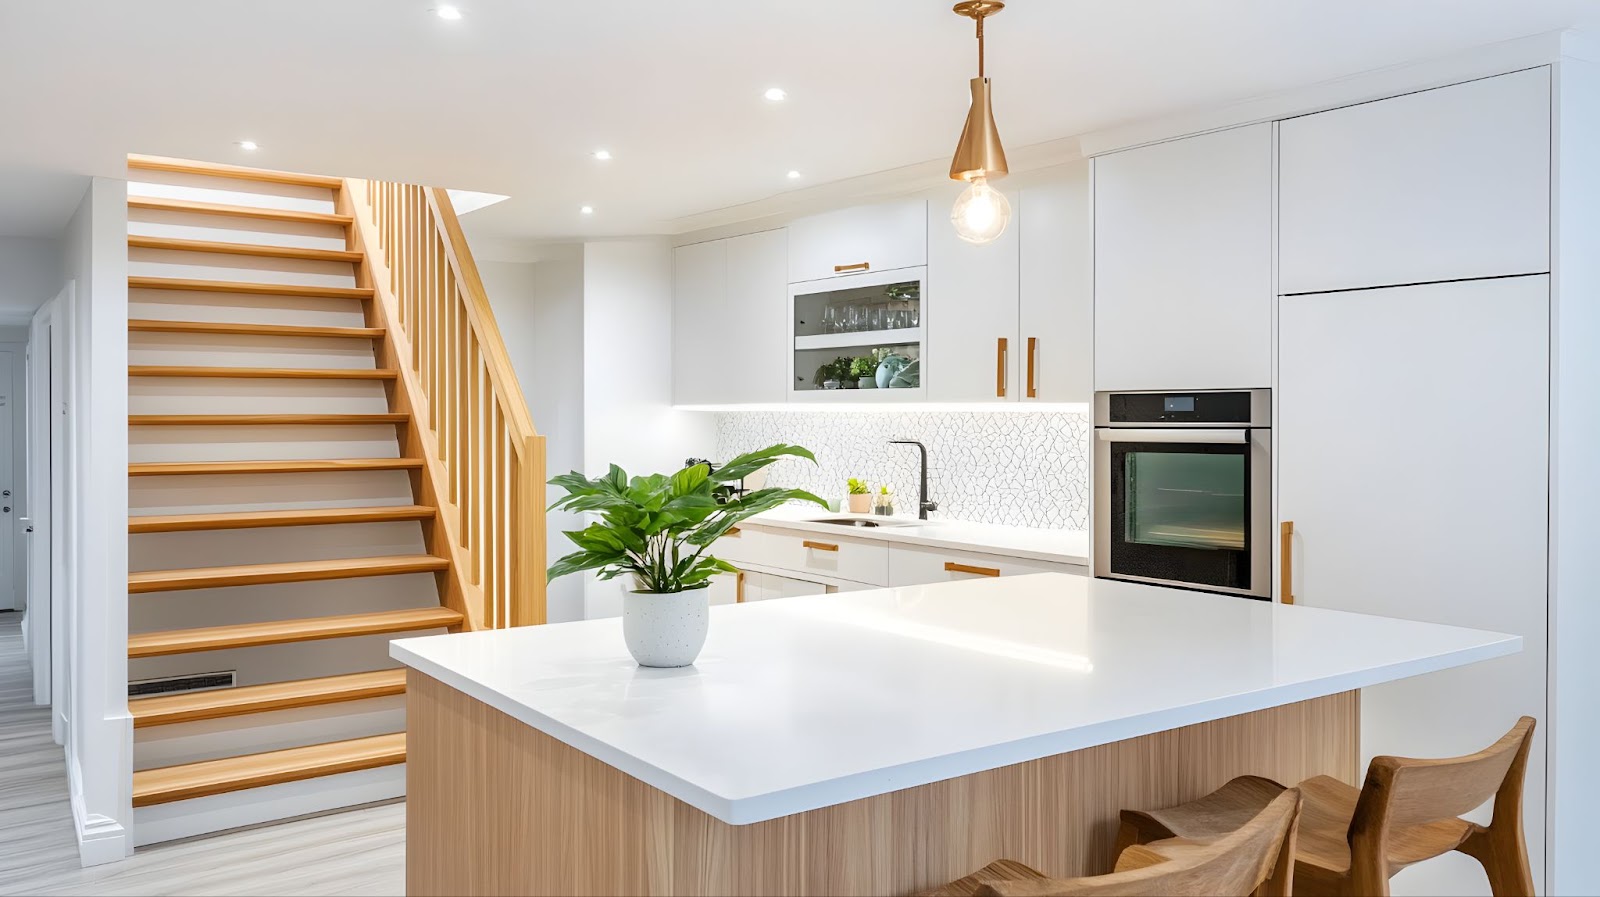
[802, 703]
[1058, 545]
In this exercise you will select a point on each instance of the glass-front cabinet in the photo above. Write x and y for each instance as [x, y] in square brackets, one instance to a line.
[858, 338]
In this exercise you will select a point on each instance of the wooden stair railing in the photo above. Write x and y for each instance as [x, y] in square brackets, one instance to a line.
[483, 461]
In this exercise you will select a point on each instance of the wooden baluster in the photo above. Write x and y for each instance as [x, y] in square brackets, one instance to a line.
[436, 381]
[476, 489]
[458, 482]
[501, 500]
[491, 489]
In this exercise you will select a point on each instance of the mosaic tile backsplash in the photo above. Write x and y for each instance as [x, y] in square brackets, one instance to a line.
[1015, 468]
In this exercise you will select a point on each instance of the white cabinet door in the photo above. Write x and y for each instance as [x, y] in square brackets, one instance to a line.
[699, 295]
[1439, 185]
[1183, 263]
[971, 306]
[749, 362]
[766, 586]
[1055, 343]
[864, 238]
[724, 589]
[1412, 459]
[729, 302]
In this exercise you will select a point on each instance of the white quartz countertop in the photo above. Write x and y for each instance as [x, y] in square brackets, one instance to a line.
[1058, 545]
[802, 703]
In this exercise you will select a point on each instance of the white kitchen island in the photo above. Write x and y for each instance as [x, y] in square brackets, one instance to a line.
[874, 742]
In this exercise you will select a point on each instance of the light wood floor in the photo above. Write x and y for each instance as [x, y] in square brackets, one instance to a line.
[356, 852]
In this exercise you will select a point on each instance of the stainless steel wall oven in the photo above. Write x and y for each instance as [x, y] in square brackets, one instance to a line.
[1183, 489]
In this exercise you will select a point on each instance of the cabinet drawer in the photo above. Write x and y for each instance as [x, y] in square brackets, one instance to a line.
[910, 566]
[866, 238]
[836, 557]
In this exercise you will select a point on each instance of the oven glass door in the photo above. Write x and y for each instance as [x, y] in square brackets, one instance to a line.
[1180, 512]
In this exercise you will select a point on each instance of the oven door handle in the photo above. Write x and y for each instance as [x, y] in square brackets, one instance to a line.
[1176, 434]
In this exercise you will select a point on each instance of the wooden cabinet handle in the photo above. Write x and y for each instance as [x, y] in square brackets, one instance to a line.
[1286, 561]
[732, 531]
[820, 546]
[1000, 367]
[858, 266]
[738, 588]
[953, 567]
[1033, 354]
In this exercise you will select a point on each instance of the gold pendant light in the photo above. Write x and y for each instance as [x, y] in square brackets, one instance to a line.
[981, 212]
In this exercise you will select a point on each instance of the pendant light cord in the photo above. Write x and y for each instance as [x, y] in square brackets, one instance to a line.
[980, 46]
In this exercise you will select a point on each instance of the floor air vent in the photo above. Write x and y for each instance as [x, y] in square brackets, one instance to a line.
[172, 685]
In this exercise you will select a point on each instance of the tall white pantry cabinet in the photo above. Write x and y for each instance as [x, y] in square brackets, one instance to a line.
[1437, 447]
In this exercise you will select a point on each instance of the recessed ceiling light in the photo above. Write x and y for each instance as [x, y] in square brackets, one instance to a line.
[602, 155]
[776, 94]
[448, 13]
[248, 145]
[587, 210]
[794, 175]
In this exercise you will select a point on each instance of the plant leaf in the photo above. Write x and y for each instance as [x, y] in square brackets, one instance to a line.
[742, 466]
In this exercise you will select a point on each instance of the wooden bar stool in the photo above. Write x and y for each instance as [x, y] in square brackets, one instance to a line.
[1352, 842]
[1257, 855]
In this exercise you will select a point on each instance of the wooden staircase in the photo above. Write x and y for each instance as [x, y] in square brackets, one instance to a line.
[212, 398]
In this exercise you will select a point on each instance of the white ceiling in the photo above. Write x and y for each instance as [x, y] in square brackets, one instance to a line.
[512, 98]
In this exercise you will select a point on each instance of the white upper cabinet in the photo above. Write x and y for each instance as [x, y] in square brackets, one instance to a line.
[729, 298]
[1444, 184]
[1183, 263]
[1055, 341]
[866, 238]
[972, 310]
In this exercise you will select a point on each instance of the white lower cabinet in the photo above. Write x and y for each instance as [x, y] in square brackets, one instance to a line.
[764, 586]
[1413, 461]
[823, 555]
[914, 565]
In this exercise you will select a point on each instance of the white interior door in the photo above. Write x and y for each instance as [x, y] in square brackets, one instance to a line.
[38, 497]
[1413, 461]
[10, 596]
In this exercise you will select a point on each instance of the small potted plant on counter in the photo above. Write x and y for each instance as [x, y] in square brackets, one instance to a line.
[860, 496]
[864, 370]
[883, 502]
[656, 529]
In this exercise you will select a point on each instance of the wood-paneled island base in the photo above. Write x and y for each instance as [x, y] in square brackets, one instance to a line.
[878, 742]
[498, 807]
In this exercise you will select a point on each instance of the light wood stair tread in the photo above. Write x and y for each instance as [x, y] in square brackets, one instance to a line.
[172, 468]
[252, 420]
[236, 172]
[162, 204]
[160, 710]
[152, 325]
[191, 780]
[176, 523]
[303, 291]
[249, 635]
[243, 373]
[255, 250]
[281, 572]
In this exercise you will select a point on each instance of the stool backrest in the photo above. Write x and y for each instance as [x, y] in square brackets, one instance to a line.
[1235, 864]
[1401, 792]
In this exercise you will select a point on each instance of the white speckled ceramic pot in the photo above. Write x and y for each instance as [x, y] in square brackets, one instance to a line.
[666, 630]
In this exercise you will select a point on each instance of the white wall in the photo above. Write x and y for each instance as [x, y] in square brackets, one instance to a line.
[627, 372]
[30, 273]
[539, 308]
[1574, 716]
[92, 700]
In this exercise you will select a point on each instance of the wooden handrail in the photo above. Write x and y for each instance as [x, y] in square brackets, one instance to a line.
[484, 463]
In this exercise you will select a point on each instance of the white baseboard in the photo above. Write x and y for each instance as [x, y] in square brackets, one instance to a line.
[101, 839]
[204, 815]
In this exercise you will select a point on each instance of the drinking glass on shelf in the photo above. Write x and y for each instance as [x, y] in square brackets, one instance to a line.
[914, 315]
[875, 318]
[830, 319]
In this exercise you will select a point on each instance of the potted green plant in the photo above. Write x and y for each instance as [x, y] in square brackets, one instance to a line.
[883, 502]
[864, 371]
[860, 496]
[834, 374]
[656, 529]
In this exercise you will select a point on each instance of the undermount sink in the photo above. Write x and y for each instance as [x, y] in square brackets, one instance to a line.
[865, 523]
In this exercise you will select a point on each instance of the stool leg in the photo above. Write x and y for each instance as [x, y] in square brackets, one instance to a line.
[1504, 857]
